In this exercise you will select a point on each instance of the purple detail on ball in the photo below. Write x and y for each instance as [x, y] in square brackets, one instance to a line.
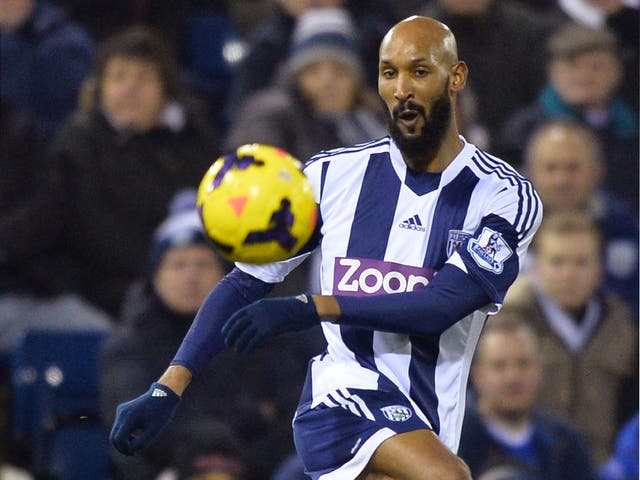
[279, 225]
[233, 161]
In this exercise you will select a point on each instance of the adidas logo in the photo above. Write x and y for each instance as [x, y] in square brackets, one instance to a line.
[158, 393]
[413, 223]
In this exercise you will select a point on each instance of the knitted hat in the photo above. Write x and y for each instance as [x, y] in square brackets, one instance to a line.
[324, 34]
[573, 39]
[181, 228]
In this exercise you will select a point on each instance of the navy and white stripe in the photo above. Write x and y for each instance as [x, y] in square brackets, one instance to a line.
[367, 197]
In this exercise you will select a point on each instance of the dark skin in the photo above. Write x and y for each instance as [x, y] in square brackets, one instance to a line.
[418, 64]
[418, 57]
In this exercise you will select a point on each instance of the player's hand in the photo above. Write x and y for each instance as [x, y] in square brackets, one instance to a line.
[250, 325]
[140, 420]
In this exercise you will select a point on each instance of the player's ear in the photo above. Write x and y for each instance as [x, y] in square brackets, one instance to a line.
[458, 72]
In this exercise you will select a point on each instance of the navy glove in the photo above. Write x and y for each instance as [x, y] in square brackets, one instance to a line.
[140, 420]
[250, 325]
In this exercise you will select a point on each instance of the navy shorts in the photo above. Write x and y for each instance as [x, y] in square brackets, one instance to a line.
[337, 438]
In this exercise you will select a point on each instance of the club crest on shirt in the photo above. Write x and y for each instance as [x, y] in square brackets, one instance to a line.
[397, 413]
[455, 240]
[489, 250]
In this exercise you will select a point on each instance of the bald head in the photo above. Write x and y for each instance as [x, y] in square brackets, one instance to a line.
[424, 36]
[419, 76]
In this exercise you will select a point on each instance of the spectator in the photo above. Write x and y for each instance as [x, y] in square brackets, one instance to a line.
[584, 76]
[138, 142]
[566, 163]
[495, 39]
[319, 102]
[588, 337]
[28, 297]
[621, 17]
[45, 56]
[270, 39]
[182, 270]
[208, 450]
[255, 406]
[505, 428]
[22, 164]
[623, 463]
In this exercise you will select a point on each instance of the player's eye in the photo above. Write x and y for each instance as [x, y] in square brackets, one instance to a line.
[421, 72]
[388, 73]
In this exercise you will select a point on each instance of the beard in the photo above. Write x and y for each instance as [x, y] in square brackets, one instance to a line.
[425, 146]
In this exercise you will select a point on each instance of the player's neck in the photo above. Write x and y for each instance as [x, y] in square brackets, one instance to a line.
[449, 149]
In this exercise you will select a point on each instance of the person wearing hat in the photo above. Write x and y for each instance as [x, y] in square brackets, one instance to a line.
[319, 100]
[584, 75]
[255, 408]
[181, 270]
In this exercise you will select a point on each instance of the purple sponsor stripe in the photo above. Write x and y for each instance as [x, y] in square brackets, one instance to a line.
[363, 276]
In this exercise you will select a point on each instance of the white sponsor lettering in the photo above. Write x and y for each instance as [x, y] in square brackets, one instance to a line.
[371, 280]
[353, 265]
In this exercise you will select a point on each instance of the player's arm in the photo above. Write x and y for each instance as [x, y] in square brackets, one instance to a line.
[450, 296]
[141, 420]
[476, 276]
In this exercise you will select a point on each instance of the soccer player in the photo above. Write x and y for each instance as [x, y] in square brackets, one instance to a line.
[386, 399]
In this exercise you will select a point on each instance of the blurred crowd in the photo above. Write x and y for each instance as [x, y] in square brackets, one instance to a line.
[111, 112]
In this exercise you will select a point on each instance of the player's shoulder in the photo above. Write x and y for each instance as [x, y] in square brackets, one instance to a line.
[349, 153]
[490, 168]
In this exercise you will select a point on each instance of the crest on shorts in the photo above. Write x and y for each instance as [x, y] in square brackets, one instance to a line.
[397, 413]
[489, 250]
[455, 240]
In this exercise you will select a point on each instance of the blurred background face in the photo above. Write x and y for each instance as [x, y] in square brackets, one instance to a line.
[564, 169]
[466, 7]
[132, 93]
[588, 79]
[329, 86]
[14, 12]
[568, 267]
[185, 276]
[295, 8]
[506, 373]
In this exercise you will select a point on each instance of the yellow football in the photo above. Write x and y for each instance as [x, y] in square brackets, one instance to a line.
[256, 205]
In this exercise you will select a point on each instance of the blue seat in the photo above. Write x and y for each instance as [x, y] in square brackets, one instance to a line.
[55, 390]
[78, 452]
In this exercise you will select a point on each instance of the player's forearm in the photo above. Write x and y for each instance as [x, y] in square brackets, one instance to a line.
[450, 296]
[177, 378]
[327, 307]
[204, 339]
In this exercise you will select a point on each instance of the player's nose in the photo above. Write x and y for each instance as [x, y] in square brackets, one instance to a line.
[403, 88]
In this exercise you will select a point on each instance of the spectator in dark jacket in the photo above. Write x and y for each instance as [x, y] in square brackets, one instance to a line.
[496, 39]
[45, 57]
[256, 406]
[119, 162]
[584, 77]
[504, 428]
